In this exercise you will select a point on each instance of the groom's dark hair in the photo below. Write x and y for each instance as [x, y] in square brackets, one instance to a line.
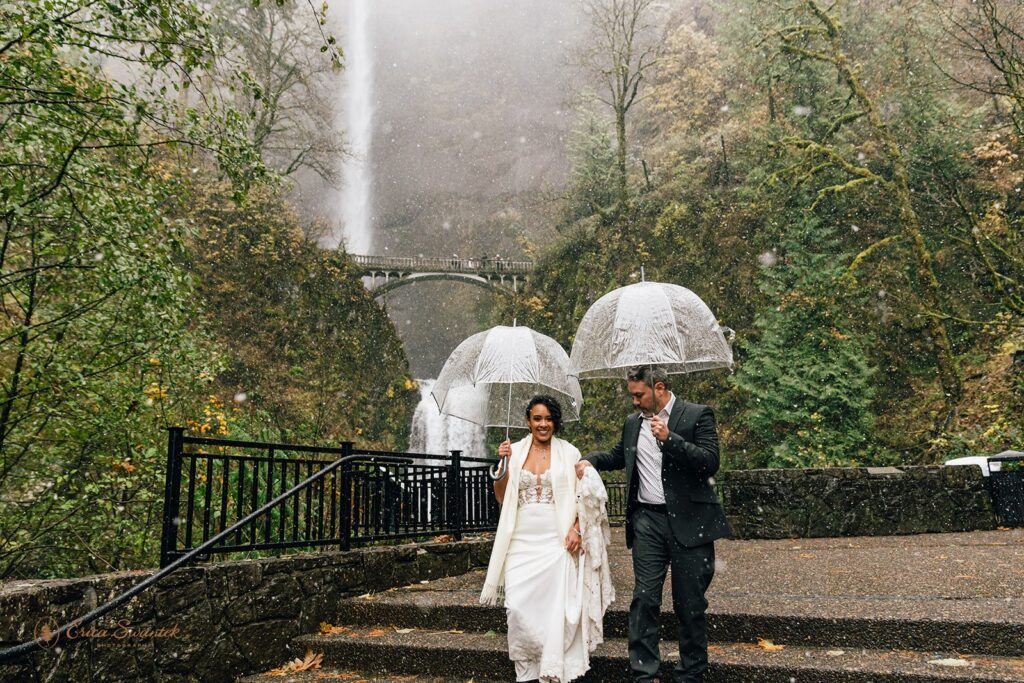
[552, 406]
[648, 374]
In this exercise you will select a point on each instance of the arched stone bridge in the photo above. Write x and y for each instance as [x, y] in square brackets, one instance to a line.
[390, 272]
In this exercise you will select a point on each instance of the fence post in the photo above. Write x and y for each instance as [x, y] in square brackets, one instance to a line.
[455, 495]
[172, 495]
[346, 499]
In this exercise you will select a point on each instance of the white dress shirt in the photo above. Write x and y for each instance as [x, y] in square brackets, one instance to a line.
[648, 459]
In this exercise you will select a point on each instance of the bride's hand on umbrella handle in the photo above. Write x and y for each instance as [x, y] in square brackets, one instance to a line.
[505, 449]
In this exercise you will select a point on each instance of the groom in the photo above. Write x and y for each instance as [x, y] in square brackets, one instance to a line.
[669, 451]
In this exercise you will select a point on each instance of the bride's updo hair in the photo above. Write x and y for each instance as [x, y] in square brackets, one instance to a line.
[552, 406]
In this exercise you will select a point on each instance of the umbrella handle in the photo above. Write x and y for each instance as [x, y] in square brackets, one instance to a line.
[501, 471]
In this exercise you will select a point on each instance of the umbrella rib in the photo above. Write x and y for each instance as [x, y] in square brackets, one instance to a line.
[675, 325]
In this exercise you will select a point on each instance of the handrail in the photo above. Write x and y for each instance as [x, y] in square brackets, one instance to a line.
[12, 653]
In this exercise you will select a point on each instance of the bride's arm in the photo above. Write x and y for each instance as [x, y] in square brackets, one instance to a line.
[574, 539]
[504, 451]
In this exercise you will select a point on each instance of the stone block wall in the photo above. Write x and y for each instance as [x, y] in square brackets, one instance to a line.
[855, 501]
[211, 622]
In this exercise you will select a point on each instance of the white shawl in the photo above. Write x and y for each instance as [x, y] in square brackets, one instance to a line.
[594, 591]
[564, 457]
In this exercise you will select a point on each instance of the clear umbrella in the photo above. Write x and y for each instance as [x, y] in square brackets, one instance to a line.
[489, 378]
[649, 323]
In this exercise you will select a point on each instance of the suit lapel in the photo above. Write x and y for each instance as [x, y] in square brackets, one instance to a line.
[676, 417]
[632, 436]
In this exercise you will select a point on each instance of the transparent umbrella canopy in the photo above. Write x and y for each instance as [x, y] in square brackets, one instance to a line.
[490, 377]
[649, 323]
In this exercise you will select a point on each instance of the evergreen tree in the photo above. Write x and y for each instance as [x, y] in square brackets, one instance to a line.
[808, 376]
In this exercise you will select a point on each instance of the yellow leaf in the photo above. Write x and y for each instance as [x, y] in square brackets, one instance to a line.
[768, 645]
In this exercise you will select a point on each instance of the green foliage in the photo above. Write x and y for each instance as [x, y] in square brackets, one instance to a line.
[103, 341]
[592, 178]
[88, 277]
[807, 375]
[304, 340]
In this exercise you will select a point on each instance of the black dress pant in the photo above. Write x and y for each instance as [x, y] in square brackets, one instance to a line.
[654, 550]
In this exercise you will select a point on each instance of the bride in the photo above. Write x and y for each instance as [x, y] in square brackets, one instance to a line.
[535, 562]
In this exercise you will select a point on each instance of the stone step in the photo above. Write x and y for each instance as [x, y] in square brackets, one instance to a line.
[980, 626]
[380, 651]
[338, 675]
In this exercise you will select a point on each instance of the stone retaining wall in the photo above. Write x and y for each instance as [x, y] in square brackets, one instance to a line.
[211, 622]
[855, 501]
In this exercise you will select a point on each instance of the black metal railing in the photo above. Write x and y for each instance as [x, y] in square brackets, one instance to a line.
[211, 483]
[174, 477]
[616, 502]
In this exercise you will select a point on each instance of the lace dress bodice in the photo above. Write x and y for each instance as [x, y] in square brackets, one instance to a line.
[535, 488]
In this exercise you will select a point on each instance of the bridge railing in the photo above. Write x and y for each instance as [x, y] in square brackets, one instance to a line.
[443, 265]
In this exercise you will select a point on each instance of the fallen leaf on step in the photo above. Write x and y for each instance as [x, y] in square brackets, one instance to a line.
[455, 631]
[806, 556]
[490, 634]
[404, 630]
[308, 663]
[836, 653]
[769, 646]
[376, 633]
[951, 661]
[443, 538]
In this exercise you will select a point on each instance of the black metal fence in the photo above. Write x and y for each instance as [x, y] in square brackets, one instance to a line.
[213, 483]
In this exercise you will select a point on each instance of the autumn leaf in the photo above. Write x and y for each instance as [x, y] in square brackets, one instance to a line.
[328, 629]
[404, 630]
[769, 646]
[308, 663]
[376, 633]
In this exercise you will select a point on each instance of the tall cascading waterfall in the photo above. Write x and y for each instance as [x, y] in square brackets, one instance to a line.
[357, 106]
[432, 433]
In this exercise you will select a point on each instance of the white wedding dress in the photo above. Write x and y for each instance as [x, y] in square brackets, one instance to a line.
[542, 582]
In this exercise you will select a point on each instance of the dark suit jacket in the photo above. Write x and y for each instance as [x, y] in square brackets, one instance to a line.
[689, 459]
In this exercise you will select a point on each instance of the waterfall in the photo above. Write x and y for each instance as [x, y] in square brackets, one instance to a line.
[432, 433]
[353, 203]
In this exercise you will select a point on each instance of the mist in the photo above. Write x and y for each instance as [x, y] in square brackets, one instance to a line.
[471, 109]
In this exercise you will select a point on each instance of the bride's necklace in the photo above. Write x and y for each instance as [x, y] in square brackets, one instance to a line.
[541, 452]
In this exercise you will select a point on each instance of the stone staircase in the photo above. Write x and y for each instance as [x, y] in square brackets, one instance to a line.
[933, 627]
